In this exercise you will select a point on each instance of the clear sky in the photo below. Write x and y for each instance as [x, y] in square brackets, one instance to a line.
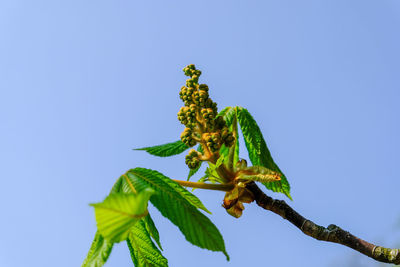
[84, 82]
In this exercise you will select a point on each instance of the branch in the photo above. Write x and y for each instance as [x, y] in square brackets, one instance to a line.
[332, 233]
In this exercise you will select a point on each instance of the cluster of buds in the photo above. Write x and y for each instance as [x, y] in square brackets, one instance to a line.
[212, 141]
[208, 114]
[227, 137]
[199, 115]
[193, 159]
[187, 137]
[187, 115]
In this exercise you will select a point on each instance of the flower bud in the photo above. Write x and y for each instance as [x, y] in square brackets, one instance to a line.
[195, 79]
[192, 159]
[203, 87]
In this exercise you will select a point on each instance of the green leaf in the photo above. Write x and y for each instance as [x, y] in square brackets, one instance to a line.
[194, 171]
[143, 251]
[138, 240]
[258, 150]
[231, 154]
[224, 111]
[224, 151]
[116, 187]
[166, 150]
[178, 205]
[152, 229]
[259, 174]
[192, 199]
[100, 249]
[98, 253]
[236, 147]
[211, 175]
[219, 161]
[119, 212]
[127, 187]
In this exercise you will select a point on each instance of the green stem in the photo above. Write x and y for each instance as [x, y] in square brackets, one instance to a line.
[225, 174]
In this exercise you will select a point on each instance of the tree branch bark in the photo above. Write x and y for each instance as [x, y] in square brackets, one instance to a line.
[332, 233]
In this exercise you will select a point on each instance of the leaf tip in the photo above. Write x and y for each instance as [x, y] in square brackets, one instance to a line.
[226, 255]
[206, 210]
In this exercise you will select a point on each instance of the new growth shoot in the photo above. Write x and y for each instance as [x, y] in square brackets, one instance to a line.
[205, 127]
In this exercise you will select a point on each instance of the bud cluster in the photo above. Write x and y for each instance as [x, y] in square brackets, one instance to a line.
[199, 115]
[187, 137]
[192, 159]
[191, 71]
[227, 137]
[213, 141]
[208, 114]
[187, 115]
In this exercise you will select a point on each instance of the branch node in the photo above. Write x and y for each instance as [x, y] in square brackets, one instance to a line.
[302, 225]
[332, 233]
[332, 227]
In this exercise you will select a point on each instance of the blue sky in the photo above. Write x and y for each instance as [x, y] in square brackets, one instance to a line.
[84, 82]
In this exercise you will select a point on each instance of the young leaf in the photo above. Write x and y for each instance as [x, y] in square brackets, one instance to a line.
[166, 150]
[231, 154]
[142, 249]
[219, 161]
[98, 253]
[178, 205]
[100, 249]
[139, 234]
[152, 229]
[127, 187]
[195, 201]
[236, 146]
[258, 150]
[119, 212]
[224, 151]
[116, 187]
[211, 175]
[193, 171]
[259, 174]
